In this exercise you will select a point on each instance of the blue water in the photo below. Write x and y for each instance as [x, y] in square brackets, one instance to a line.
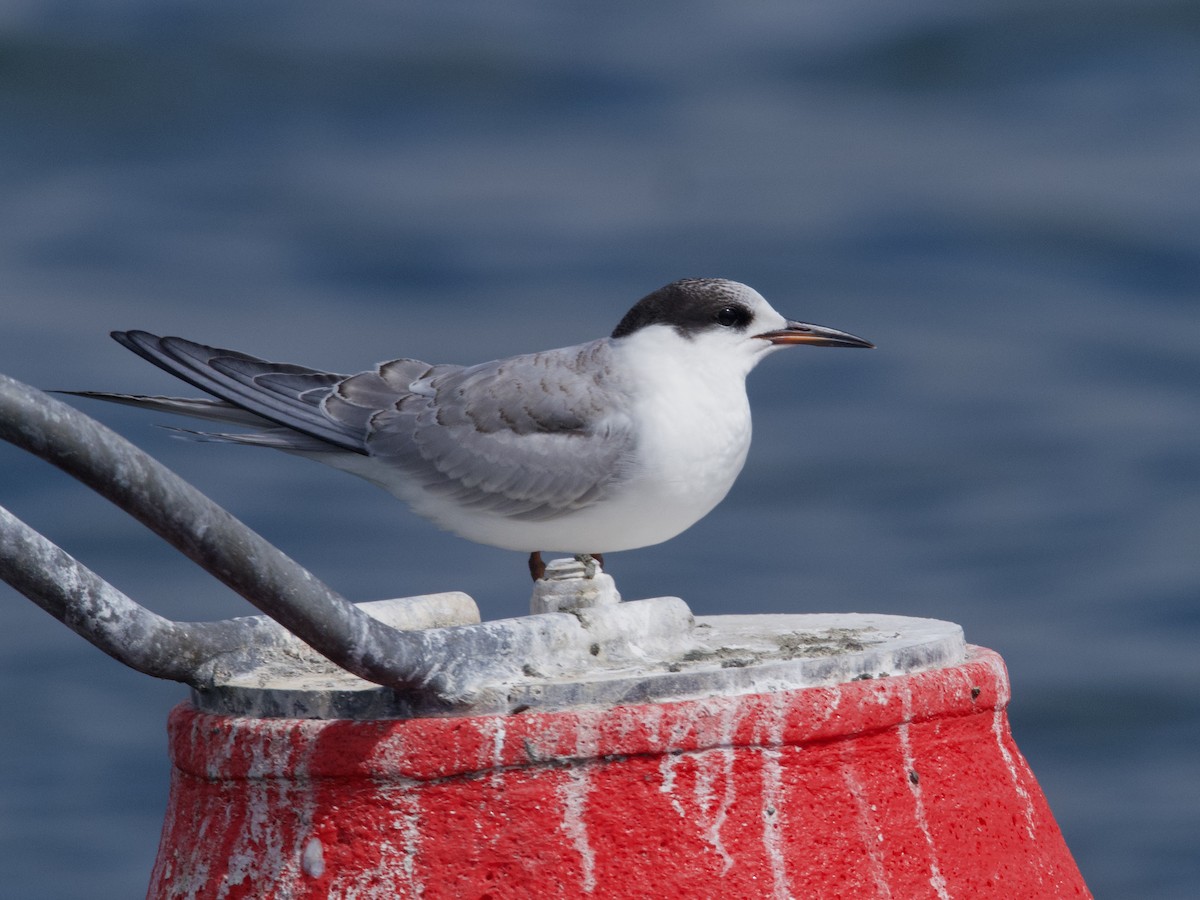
[1005, 197]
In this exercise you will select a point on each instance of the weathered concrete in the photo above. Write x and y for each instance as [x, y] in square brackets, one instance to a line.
[636, 652]
[566, 587]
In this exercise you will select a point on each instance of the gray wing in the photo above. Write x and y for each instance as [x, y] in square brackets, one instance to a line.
[531, 437]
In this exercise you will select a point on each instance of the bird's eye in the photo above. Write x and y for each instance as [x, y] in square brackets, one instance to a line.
[729, 316]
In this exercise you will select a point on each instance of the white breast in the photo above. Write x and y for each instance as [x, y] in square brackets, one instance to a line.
[693, 435]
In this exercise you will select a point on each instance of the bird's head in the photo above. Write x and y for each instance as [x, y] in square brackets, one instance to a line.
[722, 319]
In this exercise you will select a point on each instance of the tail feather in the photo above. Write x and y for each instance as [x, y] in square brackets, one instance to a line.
[195, 407]
[268, 435]
[283, 394]
[278, 439]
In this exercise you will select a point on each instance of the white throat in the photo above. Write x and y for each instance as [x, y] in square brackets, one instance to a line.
[693, 420]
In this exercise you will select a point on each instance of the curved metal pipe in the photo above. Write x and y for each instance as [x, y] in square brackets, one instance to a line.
[211, 537]
[97, 611]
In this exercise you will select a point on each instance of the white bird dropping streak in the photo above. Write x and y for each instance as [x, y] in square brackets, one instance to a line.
[618, 443]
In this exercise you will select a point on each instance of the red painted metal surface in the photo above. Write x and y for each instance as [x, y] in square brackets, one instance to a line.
[901, 787]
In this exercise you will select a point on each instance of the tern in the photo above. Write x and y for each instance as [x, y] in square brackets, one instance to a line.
[619, 443]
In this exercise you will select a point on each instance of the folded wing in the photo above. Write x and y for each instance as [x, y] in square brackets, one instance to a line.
[531, 437]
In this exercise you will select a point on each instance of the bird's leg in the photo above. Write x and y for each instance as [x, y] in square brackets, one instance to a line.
[537, 568]
[590, 562]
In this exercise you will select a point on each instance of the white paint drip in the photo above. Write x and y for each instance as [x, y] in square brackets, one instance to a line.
[772, 779]
[731, 717]
[670, 759]
[726, 802]
[709, 766]
[936, 880]
[495, 730]
[409, 827]
[1003, 695]
[197, 865]
[647, 723]
[219, 761]
[869, 831]
[259, 839]
[715, 727]
[666, 769]
[588, 736]
[277, 778]
[834, 695]
[304, 802]
[574, 792]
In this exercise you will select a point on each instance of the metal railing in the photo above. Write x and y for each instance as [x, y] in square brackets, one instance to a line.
[407, 661]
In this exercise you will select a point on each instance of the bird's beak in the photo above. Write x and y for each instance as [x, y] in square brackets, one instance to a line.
[816, 335]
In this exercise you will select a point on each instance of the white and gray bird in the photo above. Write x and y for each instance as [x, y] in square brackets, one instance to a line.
[618, 443]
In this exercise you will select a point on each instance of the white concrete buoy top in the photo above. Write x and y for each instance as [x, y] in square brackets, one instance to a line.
[592, 651]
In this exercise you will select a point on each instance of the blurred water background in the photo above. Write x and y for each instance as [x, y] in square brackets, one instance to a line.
[1004, 196]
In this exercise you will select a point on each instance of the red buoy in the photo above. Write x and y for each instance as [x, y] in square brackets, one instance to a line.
[905, 786]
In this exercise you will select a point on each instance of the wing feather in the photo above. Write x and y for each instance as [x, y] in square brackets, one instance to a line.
[529, 437]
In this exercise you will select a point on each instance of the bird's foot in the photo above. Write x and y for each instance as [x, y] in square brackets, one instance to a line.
[537, 568]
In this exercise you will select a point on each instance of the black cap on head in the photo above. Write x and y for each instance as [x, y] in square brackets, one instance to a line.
[689, 305]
